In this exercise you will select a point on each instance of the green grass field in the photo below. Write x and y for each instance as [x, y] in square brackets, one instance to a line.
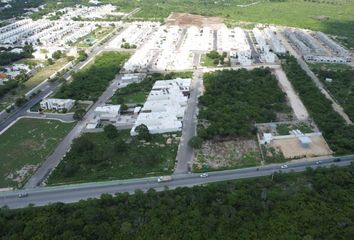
[104, 161]
[28, 142]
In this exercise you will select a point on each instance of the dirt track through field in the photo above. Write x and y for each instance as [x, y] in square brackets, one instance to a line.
[295, 102]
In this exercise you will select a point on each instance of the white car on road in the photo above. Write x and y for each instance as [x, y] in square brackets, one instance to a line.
[203, 175]
[284, 166]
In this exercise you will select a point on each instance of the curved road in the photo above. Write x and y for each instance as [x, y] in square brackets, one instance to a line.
[76, 192]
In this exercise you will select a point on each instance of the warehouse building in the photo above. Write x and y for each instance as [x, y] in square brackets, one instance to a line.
[164, 108]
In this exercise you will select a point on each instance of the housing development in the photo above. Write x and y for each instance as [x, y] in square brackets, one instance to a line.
[95, 99]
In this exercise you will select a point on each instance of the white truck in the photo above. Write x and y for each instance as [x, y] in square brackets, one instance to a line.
[164, 179]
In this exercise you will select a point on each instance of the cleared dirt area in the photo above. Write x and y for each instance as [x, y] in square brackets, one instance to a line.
[295, 102]
[291, 147]
[227, 154]
[186, 19]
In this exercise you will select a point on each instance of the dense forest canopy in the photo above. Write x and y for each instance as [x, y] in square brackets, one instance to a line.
[235, 100]
[312, 205]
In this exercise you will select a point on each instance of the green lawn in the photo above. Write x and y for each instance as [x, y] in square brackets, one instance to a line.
[28, 142]
[103, 160]
[207, 61]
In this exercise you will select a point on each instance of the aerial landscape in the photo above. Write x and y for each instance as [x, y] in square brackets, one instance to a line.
[177, 119]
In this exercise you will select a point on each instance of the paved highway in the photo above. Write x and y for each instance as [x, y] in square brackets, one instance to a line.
[73, 193]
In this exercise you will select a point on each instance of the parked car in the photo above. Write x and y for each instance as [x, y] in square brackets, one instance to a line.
[204, 175]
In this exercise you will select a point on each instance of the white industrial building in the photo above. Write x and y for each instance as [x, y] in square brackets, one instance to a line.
[164, 108]
[108, 113]
[57, 104]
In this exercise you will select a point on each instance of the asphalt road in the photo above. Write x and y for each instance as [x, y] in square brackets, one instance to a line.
[74, 193]
[185, 152]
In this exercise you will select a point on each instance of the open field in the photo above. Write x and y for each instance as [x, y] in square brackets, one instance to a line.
[36, 79]
[186, 19]
[25, 145]
[95, 157]
[227, 154]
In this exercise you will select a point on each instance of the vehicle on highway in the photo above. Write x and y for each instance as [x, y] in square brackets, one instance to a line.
[337, 160]
[164, 179]
[284, 166]
[203, 175]
[318, 162]
[22, 195]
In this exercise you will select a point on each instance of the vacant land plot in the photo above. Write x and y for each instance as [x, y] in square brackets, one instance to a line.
[235, 100]
[291, 147]
[186, 19]
[96, 157]
[25, 145]
[232, 103]
[227, 154]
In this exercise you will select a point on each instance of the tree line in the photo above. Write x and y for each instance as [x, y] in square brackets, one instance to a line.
[313, 205]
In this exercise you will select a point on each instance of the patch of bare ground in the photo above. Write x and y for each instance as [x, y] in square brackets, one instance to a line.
[21, 175]
[292, 148]
[187, 19]
[227, 154]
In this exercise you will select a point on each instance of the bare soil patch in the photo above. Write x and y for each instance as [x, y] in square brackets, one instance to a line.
[186, 19]
[227, 154]
[291, 148]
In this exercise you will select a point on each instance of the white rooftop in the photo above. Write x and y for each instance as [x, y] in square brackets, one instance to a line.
[164, 108]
